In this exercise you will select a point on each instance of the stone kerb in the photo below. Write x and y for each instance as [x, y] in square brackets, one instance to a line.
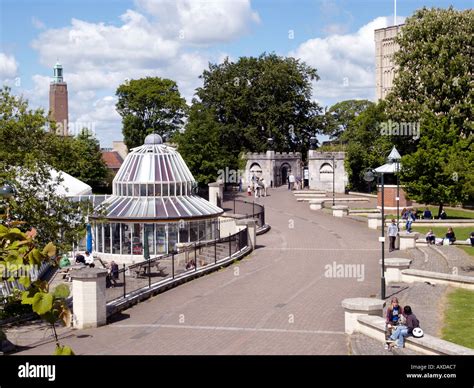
[458, 281]
[316, 204]
[394, 267]
[89, 299]
[407, 240]
[356, 307]
[340, 210]
[374, 221]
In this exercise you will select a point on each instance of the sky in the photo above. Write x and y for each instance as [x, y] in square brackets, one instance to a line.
[101, 44]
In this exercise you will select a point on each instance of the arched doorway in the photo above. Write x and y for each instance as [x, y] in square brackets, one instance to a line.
[285, 170]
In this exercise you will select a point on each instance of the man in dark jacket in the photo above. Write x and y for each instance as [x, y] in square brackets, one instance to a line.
[403, 331]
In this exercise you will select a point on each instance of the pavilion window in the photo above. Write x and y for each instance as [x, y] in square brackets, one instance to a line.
[160, 239]
[193, 232]
[171, 189]
[178, 189]
[143, 190]
[137, 239]
[136, 190]
[158, 189]
[172, 237]
[107, 239]
[126, 237]
[151, 192]
[165, 190]
[183, 232]
[115, 238]
[100, 240]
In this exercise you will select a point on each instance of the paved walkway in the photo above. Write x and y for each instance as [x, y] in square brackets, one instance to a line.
[275, 301]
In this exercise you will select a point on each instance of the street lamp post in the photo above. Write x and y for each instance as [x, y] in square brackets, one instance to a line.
[369, 176]
[395, 157]
[333, 179]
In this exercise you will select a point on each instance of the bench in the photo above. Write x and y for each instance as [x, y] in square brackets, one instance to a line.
[142, 269]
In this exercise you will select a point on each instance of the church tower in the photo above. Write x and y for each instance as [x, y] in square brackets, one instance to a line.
[58, 101]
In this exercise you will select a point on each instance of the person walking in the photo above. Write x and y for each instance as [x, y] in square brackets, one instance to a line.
[392, 235]
[292, 181]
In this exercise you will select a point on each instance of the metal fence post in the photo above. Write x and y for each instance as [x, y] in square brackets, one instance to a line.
[149, 273]
[172, 264]
[253, 209]
[124, 290]
[195, 258]
[230, 247]
[234, 205]
[215, 251]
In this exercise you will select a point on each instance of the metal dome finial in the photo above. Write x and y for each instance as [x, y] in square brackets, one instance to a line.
[153, 138]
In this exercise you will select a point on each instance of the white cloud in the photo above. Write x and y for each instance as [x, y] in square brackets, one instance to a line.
[98, 57]
[202, 21]
[37, 23]
[8, 66]
[345, 62]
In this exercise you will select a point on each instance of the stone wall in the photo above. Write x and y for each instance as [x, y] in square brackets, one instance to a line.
[321, 170]
[273, 166]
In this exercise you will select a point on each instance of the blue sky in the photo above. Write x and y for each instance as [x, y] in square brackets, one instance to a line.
[100, 44]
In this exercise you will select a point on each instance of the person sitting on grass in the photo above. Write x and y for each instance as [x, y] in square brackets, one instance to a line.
[451, 236]
[471, 237]
[427, 215]
[443, 215]
[430, 237]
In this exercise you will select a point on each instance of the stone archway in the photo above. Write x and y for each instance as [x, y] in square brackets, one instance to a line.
[285, 170]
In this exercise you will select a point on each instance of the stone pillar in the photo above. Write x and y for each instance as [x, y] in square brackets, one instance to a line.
[408, 240]
[374, 221]
[216, 193]
[89, 299]
[251, 225]
[316, 204]
[354, 307]
[394, 267]
[340, 210]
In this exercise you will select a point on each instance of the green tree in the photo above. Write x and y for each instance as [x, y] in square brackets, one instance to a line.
[80, 157]
[441, 170]
[149, 105]
[19, 253]
[366, 146]
[200, 146]
[24, 140]
[255, 98]
[339, 116]
[36, 204]
[434, 83]
[27, 151]
[435, 67]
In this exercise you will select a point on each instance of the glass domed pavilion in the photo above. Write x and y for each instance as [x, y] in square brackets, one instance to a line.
[153, 207]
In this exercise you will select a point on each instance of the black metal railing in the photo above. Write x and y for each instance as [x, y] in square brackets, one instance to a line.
[194, 257]
[246, 209]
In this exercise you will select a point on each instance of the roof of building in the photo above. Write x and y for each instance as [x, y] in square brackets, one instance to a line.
[155, 183]
[112, 159]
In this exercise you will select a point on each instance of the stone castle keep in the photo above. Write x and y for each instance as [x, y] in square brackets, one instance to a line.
[324, 168]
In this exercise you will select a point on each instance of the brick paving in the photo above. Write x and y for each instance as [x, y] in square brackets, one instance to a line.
[275, 301]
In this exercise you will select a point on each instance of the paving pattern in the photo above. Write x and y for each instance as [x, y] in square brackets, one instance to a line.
[284, 298]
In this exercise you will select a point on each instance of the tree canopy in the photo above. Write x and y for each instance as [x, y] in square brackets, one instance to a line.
[241, 104]
[433, 86]
[340, 115]
[149, 105]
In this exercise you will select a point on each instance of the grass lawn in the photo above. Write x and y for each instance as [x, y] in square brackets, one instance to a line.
[459, 318]
[451, 213]
[469, 250]
[440, 231]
